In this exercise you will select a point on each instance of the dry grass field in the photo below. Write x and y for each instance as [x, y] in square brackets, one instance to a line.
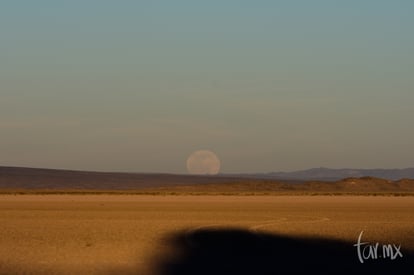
[118, 234]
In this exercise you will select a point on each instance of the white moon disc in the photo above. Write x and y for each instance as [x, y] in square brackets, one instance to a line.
[203, 162]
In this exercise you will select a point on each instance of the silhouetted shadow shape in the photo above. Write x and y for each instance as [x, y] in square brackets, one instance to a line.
[236, 251]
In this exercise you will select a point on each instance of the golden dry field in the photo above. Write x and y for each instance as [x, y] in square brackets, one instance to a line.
[105, 234]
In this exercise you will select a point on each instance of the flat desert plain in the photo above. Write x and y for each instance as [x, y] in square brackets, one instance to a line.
[119, 234]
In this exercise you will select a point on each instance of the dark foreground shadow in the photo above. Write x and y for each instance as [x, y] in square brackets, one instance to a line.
[240, 252]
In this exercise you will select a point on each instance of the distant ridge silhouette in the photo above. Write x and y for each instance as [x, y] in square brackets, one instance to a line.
[40, 178]
[32, 179]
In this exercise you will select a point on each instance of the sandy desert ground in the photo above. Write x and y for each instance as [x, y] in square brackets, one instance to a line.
[102, 234]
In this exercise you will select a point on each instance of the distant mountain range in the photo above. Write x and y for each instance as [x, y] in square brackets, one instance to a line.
[318, 179]
[327, 174]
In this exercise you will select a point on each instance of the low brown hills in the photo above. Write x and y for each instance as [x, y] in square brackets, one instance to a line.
[34, 180]
[365, 185]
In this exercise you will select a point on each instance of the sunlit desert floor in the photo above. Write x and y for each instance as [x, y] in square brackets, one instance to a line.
[99, 234]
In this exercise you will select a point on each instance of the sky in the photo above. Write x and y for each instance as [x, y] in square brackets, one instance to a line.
[267, 85]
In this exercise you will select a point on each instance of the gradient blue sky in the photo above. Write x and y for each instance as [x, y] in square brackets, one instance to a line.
[267, 85]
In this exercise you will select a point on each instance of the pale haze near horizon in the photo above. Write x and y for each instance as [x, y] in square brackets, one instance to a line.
[266, 85]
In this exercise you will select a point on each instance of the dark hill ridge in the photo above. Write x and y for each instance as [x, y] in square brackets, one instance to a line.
[16, 178]
[35, 178]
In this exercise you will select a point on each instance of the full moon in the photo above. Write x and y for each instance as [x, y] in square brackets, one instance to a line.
[203, 162]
